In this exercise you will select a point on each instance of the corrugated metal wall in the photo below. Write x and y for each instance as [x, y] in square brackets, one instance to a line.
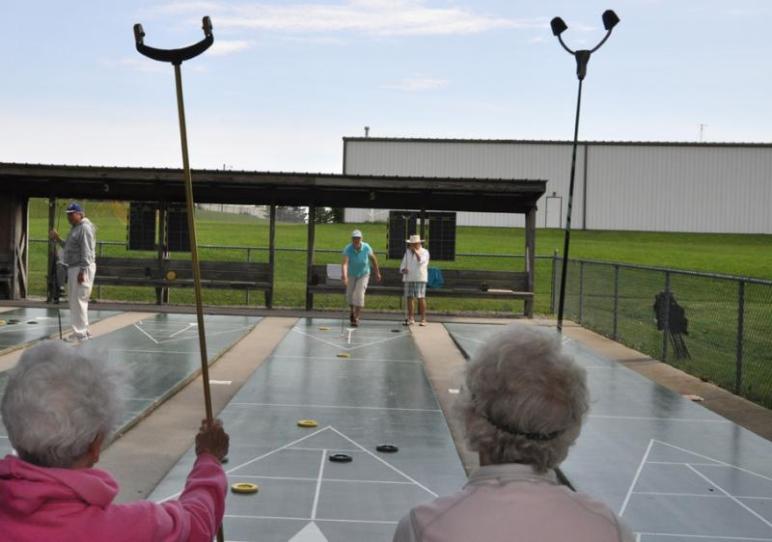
[657, 187]
[549, 162]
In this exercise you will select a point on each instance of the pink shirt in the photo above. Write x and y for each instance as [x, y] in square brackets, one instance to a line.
[69, 505]
[510, 502]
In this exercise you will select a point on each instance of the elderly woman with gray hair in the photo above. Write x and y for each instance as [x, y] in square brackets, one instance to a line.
[522, 406]
[59, 408]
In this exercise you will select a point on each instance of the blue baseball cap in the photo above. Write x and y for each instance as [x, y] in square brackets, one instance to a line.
[74, 207]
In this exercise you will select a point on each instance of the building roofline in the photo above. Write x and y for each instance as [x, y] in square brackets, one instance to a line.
[558, 142]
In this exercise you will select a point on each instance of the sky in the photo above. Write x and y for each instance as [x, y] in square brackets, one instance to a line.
[285, 81]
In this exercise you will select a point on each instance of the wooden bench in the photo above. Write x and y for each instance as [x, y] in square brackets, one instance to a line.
[179, 274]
[458, 283]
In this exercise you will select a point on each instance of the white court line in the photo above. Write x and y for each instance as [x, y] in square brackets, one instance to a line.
[720, 463]
[145, 333]
[302, 449]
[669, 494]
[330, 358]
[351, 407]
[394, 338]
[713, 495]
[392, 467]
[654, 418]
[290, 518]
[336, 480]
[328, 343]
[735, 499]
[698, 536]
[318, 485]
[132, 351]
[208, 335]
[683, 463]
[183, 330]
[258, 458]
[637, 537]
[635, 478]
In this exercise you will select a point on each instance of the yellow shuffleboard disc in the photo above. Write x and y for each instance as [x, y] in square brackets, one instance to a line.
[323, 328]
[171, 275]
[308, 423]
[344, 355]
[2, 322]
[245, 488]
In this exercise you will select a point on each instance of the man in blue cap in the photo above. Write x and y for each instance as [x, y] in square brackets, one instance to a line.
[80, 259]
[357, 258]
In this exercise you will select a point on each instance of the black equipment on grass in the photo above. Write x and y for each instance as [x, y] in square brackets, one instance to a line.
[671, 319]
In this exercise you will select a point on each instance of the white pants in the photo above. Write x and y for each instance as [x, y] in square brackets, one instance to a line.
[77, 297]
[355, 291]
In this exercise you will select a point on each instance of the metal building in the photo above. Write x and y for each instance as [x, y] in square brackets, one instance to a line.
[649, 186]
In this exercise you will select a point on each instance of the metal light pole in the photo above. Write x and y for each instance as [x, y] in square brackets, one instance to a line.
[582, 57]
[176, 57]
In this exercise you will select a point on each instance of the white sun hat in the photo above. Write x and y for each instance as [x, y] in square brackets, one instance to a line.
[415, 238]
[356, 233]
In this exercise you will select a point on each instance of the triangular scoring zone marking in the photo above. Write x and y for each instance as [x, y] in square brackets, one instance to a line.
[296, 442]
[702, 461]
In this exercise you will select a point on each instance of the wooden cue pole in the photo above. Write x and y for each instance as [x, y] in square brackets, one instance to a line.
[194, 255]
[193, 242]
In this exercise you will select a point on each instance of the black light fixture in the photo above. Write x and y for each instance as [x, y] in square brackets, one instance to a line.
[582, 56]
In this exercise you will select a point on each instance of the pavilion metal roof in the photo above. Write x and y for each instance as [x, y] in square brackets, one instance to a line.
[263, 187]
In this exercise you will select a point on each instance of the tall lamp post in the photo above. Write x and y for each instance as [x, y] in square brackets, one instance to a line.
[582, 57]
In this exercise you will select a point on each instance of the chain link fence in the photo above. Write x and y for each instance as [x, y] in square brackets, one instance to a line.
[715, 327]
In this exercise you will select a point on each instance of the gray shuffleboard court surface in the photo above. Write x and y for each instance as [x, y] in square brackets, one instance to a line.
[365, 387]
[161, 354]
[674, 471]
[22, 326]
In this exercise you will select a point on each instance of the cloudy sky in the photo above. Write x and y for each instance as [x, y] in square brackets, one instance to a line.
[286, 80]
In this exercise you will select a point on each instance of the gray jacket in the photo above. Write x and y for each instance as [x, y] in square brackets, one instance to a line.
[79, 246]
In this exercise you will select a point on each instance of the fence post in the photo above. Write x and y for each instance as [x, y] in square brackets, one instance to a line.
[552, 285]
[615, 328]
[99, 255]
[666, 320]
[740, 333]
[249, 259]
[581, 291]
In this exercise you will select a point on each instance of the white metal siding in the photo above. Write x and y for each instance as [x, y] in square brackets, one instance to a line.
[550, 162]
[363, 216]
[629, 187]
[694, 189]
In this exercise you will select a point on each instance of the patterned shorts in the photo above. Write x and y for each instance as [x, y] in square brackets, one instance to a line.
[415, 289]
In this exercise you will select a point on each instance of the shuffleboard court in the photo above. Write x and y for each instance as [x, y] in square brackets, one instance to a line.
[161, 354]
[22, 326]
[674, 471]
[376, 395]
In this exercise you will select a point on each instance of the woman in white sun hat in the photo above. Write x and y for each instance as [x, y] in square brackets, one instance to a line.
[415, 274]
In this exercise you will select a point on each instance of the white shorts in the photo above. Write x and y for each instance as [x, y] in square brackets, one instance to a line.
[355, 291]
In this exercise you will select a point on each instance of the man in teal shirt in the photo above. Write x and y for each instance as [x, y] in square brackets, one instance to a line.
[357, 257]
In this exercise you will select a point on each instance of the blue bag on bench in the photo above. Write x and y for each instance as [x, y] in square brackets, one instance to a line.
[435, 279]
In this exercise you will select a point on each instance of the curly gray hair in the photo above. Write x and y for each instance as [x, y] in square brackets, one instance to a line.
[58, 400]
[524, 399]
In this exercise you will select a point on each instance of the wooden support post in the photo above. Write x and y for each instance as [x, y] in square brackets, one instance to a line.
[530, 256]
[310, 256]
[271, 254]
[162, 294]
[50, 269]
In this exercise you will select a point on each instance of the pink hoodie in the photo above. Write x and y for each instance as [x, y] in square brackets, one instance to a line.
[40, 504]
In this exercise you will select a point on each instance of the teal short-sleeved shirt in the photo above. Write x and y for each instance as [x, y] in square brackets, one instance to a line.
[358, 262]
